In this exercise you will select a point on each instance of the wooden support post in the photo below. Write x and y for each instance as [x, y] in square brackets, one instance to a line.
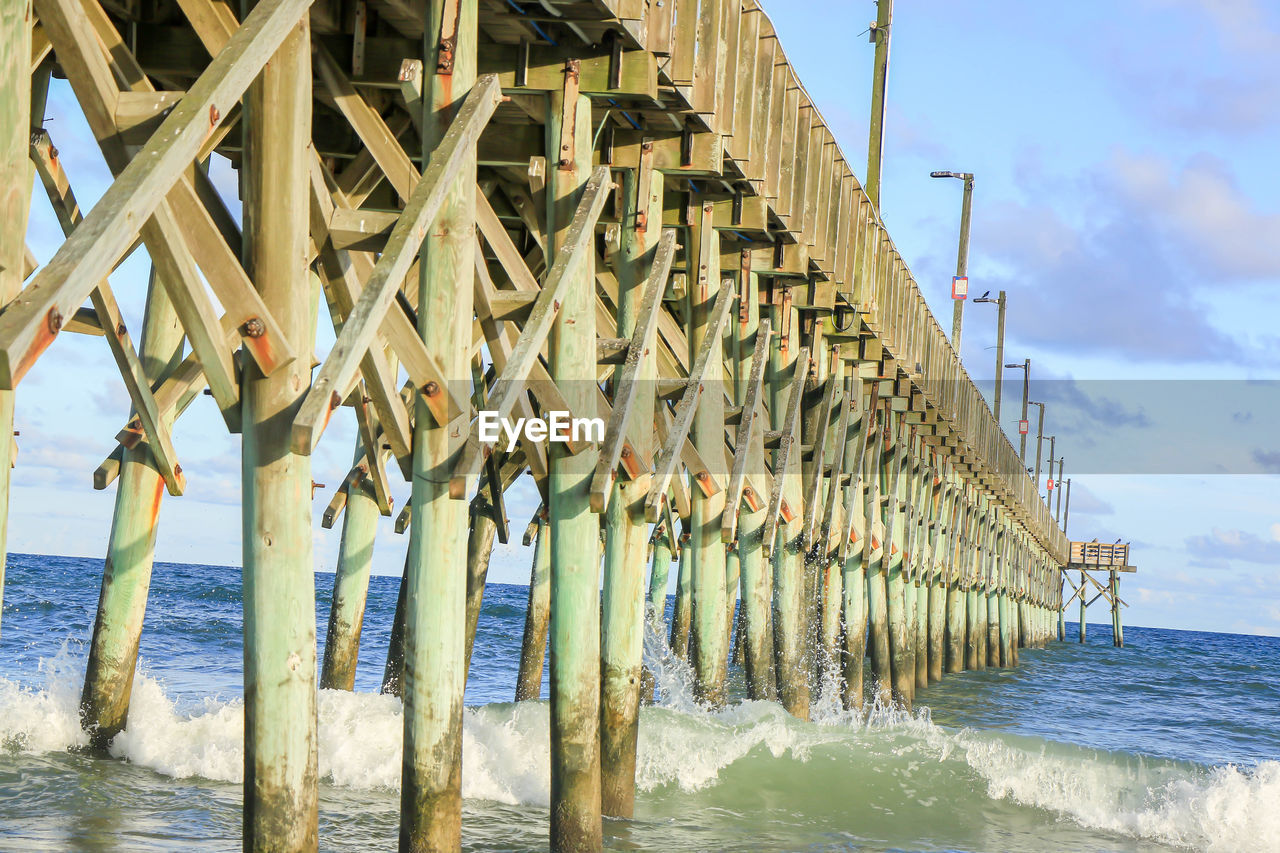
[1002, 597]
[436, 569]
[881, 489]
[15, 202]
[922, 570]
[707, 311]
[626, 531]
[659, 575]
[956, 598]
[752, 336]
[992, 603]
[682, 613]
[853, 554]
[480, 535]
[901, 662]
[575, 558]
[1116, 628]
[533, 647]
[350, 583]
[1083, 607]
[126, 573]
[280, 780]
[937, 599]
[788, 370]
[970, 566]
[393, 669]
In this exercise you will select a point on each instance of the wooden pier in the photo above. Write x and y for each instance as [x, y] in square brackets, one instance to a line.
[618, 209]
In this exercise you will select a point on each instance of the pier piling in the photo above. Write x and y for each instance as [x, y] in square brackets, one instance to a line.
[637, 214]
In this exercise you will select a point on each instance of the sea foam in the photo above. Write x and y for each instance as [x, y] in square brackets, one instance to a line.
[507, 755]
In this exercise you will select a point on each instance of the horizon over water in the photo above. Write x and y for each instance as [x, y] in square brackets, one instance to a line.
[1172, 743]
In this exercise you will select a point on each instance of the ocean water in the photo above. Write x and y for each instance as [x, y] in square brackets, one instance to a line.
[1172, 743]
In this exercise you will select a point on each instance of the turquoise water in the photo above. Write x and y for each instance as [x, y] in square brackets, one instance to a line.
[1172, 743]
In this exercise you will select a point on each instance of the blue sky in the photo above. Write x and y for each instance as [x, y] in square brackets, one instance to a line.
[1126, 198]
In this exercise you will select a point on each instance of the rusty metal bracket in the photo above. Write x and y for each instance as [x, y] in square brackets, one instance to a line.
[568, 115]
[644, 184]
[447, 44]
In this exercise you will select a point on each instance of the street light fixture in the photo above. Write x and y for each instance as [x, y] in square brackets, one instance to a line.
[1052, 441]
[1000, 301]
[1039, 439]
[1024, 425]
[1058, 484]
[962, 258]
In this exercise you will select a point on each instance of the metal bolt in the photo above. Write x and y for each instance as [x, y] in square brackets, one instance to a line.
[431, 389]
[254, 328]
[214, 115]
[334, 400]
[54, 320]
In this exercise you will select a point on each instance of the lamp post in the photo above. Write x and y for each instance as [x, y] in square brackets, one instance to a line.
[1039, 439]
[1058, 484]
[1052, 440]
[1066, 509]
[880, 32]
[999, 348]
[1023, 425]
[962, 258]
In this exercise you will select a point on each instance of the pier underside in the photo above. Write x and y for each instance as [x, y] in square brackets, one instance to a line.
[627, 210]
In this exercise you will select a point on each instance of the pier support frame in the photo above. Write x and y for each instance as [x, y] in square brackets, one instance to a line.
[15, 203]
[280, 781]
[575, 549]
[126, 573]
[435, 612]
[350, 585]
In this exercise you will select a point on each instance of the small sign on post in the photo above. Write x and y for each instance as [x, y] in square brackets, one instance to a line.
[1024, 427]
[959, 287]
[1049, 487]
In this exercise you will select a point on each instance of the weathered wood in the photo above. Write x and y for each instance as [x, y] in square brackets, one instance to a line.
[672, 447]
[59, 287]
[568, 261]
[281, 777]
[350, 580]
[789, 429]
[575, 557]
[126, 572]
[627, 383]
[787, 375]
[136, 381]
[533, 647]
[710, 299]
[748, 426]
[644, 261]
[424, 207]
[436, 567]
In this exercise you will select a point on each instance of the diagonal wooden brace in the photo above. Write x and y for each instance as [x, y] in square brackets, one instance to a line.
[624, 394]
[813, 489]
[31, 323]
[668, 459]
[747, 426]
[366, 317]
[511, 382]
[56, 185]
[790, 434]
